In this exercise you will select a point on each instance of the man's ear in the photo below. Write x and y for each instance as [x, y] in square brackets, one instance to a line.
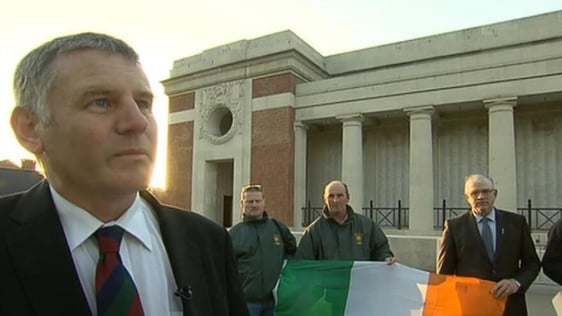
[25, 125]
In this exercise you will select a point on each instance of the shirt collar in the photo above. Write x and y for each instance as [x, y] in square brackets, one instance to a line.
[491, 216]
[79, 225]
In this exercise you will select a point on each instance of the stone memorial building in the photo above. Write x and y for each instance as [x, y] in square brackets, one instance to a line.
[399, 123]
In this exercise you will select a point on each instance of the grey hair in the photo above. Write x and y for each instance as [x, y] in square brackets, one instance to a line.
[479, 177]
[36, 73]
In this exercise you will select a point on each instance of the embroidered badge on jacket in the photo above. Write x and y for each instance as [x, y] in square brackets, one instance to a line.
[359, 237]
[277, 239]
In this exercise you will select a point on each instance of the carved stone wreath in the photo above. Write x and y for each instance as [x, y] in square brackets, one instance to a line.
[215, 100]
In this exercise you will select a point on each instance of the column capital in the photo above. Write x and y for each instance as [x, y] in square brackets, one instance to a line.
[506, 101]
[426, 109]
[300, 125]
[355, 117]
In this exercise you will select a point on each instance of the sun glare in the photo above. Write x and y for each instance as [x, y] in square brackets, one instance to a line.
[159, 174]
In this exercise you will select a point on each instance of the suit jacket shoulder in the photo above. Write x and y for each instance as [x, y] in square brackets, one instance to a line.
[552, 258]
[35, 256]
[202, 261]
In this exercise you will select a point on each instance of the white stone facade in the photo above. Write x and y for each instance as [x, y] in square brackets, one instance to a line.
[405, 121]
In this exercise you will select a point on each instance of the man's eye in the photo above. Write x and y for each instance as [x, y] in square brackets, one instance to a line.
[100, 104]
[144, 105]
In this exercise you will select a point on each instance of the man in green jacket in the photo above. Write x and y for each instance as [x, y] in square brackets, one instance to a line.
[261, 244]
[342, 234]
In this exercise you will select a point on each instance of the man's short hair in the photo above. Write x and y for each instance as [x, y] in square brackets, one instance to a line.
[35, 73]
[479, 177]
[334, 181]
[250, 188]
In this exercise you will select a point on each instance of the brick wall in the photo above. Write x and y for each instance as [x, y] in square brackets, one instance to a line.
[273, 153]
[276, 84]
[180, 155]
[273, 146]
[182, 102]
[179, 165]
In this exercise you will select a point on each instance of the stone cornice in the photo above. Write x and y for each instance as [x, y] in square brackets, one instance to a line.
[288, 61]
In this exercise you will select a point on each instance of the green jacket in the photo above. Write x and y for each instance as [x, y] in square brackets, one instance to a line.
[358, 238]
[260, 247]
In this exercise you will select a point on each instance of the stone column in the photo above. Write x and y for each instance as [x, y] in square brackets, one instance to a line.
[421, 170]
[352, 158]
[501, 151]
[301, 130]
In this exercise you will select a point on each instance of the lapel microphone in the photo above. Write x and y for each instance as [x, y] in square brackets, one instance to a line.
[184, 293]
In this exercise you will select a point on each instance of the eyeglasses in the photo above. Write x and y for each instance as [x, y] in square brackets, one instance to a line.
[486, 192]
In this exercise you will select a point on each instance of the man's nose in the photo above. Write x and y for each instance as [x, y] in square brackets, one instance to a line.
[131, 117]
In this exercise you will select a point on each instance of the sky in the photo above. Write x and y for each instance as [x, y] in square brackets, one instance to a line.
[166, 30]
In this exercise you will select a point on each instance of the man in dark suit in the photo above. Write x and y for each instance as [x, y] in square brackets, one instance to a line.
[90, 240]
[490, 244]
[552, 258]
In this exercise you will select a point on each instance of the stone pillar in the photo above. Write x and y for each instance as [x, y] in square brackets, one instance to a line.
[352, 158]
[421, 170]
[301, 130]
[501, 151]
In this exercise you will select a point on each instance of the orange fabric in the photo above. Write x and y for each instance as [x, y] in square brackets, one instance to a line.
[450, 295]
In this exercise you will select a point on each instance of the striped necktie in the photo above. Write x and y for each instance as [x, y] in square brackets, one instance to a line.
[116, 293]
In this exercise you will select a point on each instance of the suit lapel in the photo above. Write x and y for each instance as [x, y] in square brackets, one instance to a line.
[43, 261]
[183, 252]
[476, 236]
[500, 229]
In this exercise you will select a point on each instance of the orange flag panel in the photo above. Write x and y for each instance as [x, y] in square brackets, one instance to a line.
[461, 296]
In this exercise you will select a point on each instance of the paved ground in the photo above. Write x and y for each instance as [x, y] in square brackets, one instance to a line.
[539, 300]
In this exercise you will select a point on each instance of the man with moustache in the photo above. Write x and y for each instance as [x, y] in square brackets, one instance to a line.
[491, 244]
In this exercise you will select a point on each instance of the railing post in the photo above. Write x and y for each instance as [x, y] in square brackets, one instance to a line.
[529, 213]
[307, 214]
[444, 210]
[371, 208]
[399, 214]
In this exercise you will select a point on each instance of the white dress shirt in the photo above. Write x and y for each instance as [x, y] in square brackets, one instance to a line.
[142, 252]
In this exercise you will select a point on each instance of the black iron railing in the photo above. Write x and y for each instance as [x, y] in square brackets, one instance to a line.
[391, 216]
[538, 218]
[388, 216]
[310, 213]
[443, 213]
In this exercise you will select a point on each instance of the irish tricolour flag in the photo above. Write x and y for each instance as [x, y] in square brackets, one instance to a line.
[360, 288]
